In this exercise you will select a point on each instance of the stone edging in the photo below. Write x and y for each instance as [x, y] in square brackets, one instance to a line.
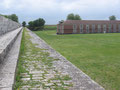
[8, 47]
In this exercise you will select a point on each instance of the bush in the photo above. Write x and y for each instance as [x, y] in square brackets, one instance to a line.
[36, 24]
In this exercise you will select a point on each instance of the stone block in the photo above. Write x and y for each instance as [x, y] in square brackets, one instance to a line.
[6, 42]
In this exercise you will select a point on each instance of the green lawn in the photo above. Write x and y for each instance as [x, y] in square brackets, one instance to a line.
[50, 27]
[98, 55]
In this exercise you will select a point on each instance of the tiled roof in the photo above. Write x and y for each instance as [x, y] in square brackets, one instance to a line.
[69, 22]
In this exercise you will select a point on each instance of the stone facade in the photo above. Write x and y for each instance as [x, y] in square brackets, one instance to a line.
[7, 25]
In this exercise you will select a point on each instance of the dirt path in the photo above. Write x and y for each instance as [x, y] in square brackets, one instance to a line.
[46, 69]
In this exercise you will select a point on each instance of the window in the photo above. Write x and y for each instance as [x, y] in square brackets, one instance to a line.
[93, 28]
[87, 28]
[99, 28]
[74, 28]
[114, 28]
[119, 27]
[110, 28]
[104, 28]
[81, 28]
[62, 28]
[59, 28]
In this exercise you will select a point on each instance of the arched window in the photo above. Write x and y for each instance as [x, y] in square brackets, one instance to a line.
[74, 28]
[104, 28]
[93, 28]
[62, 29]
[110, 28]
[81, 28]
[99, 28]
[119, 27]
[114, 28]
[87, 28]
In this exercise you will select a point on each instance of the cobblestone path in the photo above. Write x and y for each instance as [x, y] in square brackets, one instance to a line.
[40, 67]
[36, 71]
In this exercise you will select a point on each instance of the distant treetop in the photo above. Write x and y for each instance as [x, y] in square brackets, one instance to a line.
[37, 24]
[13, 17]
[23, 23]
[71, 16]
[113, 17]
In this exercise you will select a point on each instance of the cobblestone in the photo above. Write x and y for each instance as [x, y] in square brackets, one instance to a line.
[48, 70]
[40, 72]
[62, 67]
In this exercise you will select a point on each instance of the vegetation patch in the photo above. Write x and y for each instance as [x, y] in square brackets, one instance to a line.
[50, 27]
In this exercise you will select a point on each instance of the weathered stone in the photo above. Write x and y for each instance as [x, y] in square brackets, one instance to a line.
[49, 84]
[37, 78]
[8, 66]
[7, 25]
[37, 75]
[55, 81]
[36, 72]
[25, 79]
[6, 42]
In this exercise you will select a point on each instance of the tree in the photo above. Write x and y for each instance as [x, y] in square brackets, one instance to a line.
[30, 24]
[112, 17]
[77, 17]
[13, 17]
[37, 24]
[24, 24]
[70, 16]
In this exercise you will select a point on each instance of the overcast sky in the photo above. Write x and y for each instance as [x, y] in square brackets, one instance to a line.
[55, 10]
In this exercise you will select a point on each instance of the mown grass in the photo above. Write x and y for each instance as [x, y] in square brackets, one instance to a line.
[50, 27]
[98, 55]
[20, 68]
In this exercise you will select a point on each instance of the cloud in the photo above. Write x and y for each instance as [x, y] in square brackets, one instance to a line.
[53, 10]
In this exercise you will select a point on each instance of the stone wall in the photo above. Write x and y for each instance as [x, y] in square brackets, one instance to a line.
[7, 25]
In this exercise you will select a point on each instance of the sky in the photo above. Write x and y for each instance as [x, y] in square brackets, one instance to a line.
[52, 11]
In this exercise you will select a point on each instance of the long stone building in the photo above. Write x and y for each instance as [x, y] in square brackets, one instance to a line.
[88, 26]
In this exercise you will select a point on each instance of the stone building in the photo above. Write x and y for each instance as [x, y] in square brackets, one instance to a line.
[88, 26]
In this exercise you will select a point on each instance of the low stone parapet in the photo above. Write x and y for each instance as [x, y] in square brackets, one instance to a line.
[6, 42]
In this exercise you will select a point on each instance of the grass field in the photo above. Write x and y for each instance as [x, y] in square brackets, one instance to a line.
[98, 55]
[50, 27]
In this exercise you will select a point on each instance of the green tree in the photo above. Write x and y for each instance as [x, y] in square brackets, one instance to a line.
[70, 16]
[30, 24]
[37, 24]
[113, 17]
[77, 17]
[24, 24]
[13, 17]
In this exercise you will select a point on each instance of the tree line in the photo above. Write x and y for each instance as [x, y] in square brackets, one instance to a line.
[72, 16]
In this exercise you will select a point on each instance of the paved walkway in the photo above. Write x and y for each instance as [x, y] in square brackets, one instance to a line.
[49, 70]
